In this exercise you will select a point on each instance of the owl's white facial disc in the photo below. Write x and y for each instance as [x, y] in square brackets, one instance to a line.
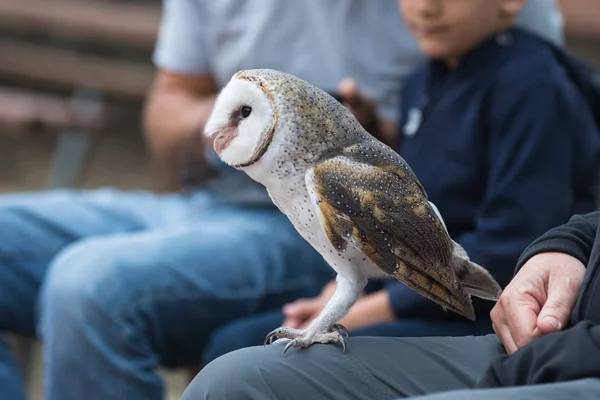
[241, 123]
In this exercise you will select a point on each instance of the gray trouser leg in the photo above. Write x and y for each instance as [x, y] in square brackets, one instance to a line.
[372, 368]
[584, 389]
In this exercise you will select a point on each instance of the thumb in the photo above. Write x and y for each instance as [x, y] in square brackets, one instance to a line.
[347, 89]
[554, 315]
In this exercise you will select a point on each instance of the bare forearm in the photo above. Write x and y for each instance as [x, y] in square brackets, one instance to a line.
[175, 108]
[171, 118]
[169, 121]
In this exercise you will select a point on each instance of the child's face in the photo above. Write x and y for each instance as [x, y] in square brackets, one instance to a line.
[448, 29]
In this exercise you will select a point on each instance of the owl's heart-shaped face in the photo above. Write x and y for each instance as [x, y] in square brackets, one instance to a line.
[242, 122]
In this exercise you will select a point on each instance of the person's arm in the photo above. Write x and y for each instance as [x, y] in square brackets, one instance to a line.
[176, 107]
[574, 238]
[541, 296]
[562, 356]
[182, 95]
[529, 188]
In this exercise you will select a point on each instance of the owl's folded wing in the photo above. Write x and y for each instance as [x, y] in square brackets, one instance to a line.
[384, 211]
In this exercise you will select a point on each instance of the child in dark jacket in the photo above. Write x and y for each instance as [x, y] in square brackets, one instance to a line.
[502, 138]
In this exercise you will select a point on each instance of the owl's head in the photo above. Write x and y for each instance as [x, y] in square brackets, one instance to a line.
[244, 119]
[264, 109]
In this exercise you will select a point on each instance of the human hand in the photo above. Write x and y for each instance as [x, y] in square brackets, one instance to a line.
[300, 313]
[538, 300]
[360, 105]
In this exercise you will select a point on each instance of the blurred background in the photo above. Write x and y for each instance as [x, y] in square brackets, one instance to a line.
[73, 76]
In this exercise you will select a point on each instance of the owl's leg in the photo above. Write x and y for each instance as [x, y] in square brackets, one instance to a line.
[324, 328]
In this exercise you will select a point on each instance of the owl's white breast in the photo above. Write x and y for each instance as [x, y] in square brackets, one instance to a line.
[293, 198]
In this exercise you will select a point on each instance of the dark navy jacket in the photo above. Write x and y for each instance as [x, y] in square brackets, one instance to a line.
[505, 145]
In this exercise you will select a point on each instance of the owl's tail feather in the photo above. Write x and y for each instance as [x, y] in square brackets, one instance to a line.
[480, 283]
[476, 280]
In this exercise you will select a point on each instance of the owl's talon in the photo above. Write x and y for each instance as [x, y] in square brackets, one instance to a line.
[304, 339]
[293, 343]
[282, 333]
[341, 329]
[269, 337]
[343, 342]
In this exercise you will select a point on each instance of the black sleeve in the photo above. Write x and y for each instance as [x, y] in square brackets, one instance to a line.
[563, 356]
[575, 238]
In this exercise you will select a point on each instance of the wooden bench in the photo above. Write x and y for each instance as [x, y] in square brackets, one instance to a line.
[76, 120]
[121, 23]
[74, 57]
[24, 111]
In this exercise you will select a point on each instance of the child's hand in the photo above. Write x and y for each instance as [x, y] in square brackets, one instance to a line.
[360, 105]
[300, 313]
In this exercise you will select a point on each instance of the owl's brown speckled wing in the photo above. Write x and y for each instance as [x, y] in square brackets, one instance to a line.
[370, 197]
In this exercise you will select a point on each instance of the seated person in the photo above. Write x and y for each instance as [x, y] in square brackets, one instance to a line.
[503, 141]
[550, 313]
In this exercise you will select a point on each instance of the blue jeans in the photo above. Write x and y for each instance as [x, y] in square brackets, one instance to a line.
[116, 283]
[251, 331]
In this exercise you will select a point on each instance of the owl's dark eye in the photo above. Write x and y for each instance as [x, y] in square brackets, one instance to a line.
[245, 110]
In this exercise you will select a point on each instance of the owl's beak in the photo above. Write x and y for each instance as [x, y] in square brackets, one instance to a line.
[223, 138]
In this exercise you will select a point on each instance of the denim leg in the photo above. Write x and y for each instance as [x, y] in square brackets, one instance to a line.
[34, 227]
[115, 307]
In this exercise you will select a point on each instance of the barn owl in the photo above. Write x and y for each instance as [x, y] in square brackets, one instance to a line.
[354, 199]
